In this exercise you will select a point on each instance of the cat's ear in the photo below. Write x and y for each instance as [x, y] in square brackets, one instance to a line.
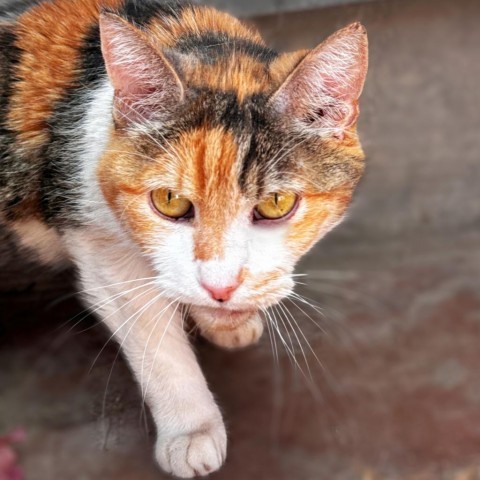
[146, 85]
[321, 94]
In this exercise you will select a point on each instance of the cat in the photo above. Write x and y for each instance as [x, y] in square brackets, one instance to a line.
[183, 168]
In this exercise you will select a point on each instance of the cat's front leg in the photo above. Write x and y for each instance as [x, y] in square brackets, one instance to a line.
[228, 330]
[191, 439]
[191, 436]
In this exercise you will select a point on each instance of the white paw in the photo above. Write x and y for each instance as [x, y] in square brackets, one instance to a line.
[195, 454]
[244, 335]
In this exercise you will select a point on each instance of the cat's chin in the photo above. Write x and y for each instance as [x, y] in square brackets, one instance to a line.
[230, 329]
[221, 318]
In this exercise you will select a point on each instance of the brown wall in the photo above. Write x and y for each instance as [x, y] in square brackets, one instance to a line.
[420, 119]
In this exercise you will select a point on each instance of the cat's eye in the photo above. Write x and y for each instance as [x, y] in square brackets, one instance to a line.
[276, 206]
[172, 205]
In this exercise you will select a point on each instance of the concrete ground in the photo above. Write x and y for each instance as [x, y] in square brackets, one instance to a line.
[393, 391]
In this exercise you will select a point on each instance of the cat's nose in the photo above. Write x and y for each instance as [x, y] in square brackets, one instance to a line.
[221, 294]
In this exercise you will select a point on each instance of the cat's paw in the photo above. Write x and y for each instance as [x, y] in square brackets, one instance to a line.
[195, 454]
[248, 333]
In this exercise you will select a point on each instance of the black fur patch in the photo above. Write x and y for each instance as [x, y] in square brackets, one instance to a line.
[9, 59]
[142, 12]
[214, 108]
[15, 183]
[213, 46]
[60, 185]
[92, 63]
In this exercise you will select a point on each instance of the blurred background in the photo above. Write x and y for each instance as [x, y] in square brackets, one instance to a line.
[385, 384]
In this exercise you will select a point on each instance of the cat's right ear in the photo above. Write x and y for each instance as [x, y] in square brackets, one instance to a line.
[321, 94]
[145, 83]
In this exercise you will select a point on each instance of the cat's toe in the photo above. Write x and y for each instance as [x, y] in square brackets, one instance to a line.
[193, 455]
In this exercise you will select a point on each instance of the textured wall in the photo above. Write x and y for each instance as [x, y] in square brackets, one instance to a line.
[249, 8]
[420, 116]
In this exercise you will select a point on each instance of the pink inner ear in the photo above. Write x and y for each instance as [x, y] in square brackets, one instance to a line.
[145, 84]
[322, 92]
[342, 62]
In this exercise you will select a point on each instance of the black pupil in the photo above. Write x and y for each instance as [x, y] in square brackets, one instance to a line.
[169, 196]
[276, 199]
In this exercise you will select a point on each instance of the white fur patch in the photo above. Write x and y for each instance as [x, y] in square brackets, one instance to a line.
[95, 136]
[255, 249]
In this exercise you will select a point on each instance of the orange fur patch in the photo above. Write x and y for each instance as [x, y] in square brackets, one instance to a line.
[212, 156]
[319, 208]
[267, 279]
[203, 169]
[51, 36]
[244, 75]
[198, 20]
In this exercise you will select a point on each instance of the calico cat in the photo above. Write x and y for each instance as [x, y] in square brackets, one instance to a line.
[183, 167]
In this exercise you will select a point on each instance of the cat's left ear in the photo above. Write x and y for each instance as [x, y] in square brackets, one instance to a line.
[321, 94]
[146, 85]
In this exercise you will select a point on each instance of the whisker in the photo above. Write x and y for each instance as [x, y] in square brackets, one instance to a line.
[99, 305]
[157, 317]
[136, 315]
[113, 335]
[359, 297]
[297, 296]
[308, 302]
[274, 309]
[304, 337]
[144, 396]
[272, 340]
[281, 308]
[282, 339]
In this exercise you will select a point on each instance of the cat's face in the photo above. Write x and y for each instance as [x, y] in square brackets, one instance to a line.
[224, 192]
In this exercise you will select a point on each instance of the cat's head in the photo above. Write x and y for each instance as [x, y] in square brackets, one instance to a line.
[228, 161]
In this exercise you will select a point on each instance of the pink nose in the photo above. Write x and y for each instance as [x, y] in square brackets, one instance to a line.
[220, 294]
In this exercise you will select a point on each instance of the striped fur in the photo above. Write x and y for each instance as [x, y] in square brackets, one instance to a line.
[103, 102]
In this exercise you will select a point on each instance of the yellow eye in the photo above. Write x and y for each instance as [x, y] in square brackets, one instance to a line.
[275, 206]
[171, 204]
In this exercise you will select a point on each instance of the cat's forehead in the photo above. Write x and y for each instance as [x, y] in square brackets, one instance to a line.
[214, 134]
[210, 107]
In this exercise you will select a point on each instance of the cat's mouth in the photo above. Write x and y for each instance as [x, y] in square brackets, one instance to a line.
[231, 314]
[226, 319]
